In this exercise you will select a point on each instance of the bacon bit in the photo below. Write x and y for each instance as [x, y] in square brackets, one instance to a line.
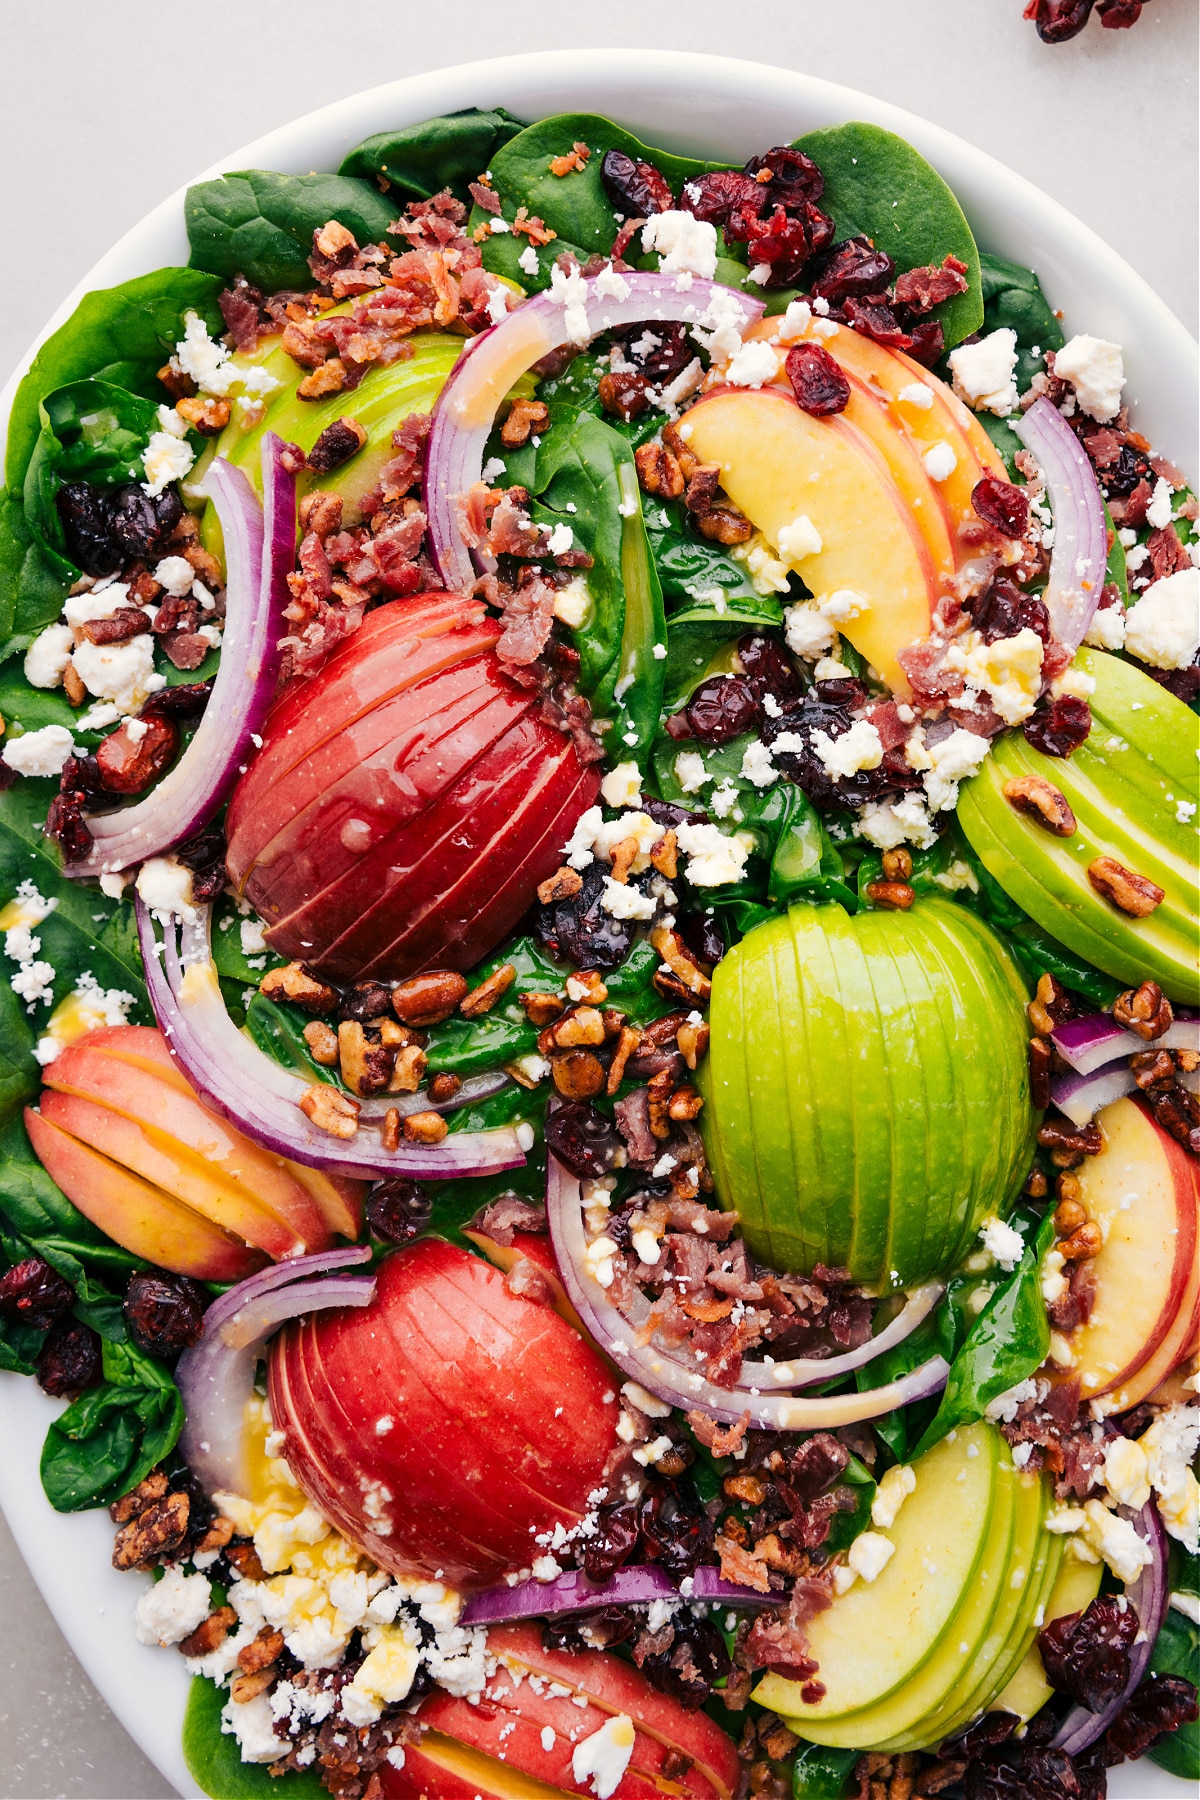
[524, 417]
[739, 1565]
[721, 1440]
[484, 196]
[576, 158]
[923, 289]
[535, 229]
[330, 378]
[528, 620]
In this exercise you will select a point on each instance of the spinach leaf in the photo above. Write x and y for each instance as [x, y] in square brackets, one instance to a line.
[215, 1762]
[278, 1030]
[1116, 569]
[701, 639]
[455, 1203]
[1177, 1652]
[121, 334]
[113, 1435]
[1007, 1342]
[1013, 300]
[36, 1218]
[878, 186]
[31, 590]
[447, 152]
[91, 431]
[1003, 437]
[821, 1774]
[259, 224]
[687, 564]
[846, 1526]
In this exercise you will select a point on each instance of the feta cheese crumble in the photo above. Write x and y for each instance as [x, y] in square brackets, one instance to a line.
[1163, 629]
[684, 244]
[952, 760]
[1096, 370]
[604, 1757]
[1002, 1242]
[870, 1554]
[713, 859]
[172, 1608]
[39, 753]
[983, 373]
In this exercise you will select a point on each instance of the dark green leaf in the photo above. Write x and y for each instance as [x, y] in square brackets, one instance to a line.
[1013, 300]
[215, 1762]
[256, 223]
[1116, 570]
[123, 334]
[1177, 1652]
[877, 185]
[113, 1435]
[31, 590]
[821, 1774]
[279, 1031]
[420, 160]
[91, 431]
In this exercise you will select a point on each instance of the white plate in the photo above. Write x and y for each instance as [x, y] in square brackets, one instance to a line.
[713, 106]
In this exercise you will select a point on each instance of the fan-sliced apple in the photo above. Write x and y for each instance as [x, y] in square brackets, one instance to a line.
[1142, 1191]
[795, 476]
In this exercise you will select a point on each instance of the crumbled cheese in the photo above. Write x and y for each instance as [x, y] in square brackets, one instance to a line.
[1187, 1604]
[870, 1554]
[47, 657]
[859, 748]
[918, 394]
[528, 260]
[644, 830]
[604, 1757]
[886, 823]
[598, 1260]
[1170, 1443]
[1159, 511]
[795, 322]
[175, 575]
[1002, 1242]
[754, 364]
[166, 459]
[684, 243]
[841, 605]
[893, 1490]
[958, 876]
[1075, 682]
[952, 760]
[39, 753]
[251, 932]
[87, 1007]
[828, 669]
[578, 848]
[624, 901]
[123, 673]
[611, 284]
[809, 633]
[648, 1454]
[622, 786]
[1125, 1473]
[569, 290]
[172, 1608]
[1010, 670]
[724, 800]
[1004, 1408]
[1163, 629]
[1115, 1541]
[252, 1722]
[1107, 628]
[983, 372]
[719, 327]
[573, 603]
[165, 886]
[560, 539]
[940, 462]
[690, 772]
[767, 574]
[713, 859]
[646, 1245]
[1096, 370]
[646, 1402]
[757, 767]
[1054, 1282]
[799, 540]
[386, 1675]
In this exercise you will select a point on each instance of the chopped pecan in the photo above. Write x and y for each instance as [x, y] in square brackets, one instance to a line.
[1084, 1242]
[580, 1026]
[702, 489]
[624, 395]
[443, 1087]
[178, 384]
[322, 1043]
[207, 416]
[670, 987]
[293, 982]
[1050, 1006]
[1039, 798]
[1064, 1141]
[248, 1687]
[1152, 1067]
[541, 1009]
[692, 1039]
[157, 1530]
[659, 1088]
[665, 856]
[409, 1070]
[1041, 1065]
[897, 864]
[389, 1131]
[336, 445]
[425, 1128]
[1145, 1010]
[142, 1496]
[562, 886]
[659, 471]
[245, 1559]
[329, 1110]
[210, 1634]
[266, 1649]
[674, 952]
[1069, 1215]
[722, 525]
[73, 685]
[218, 1534]
[1131, 893]
[127, 622]
[482, 998]
[624, 854]
[892, 896]
[366, 1067]
[524, 417]
[685, 1103]
[320, 514]
[626, 1045]
[684, 455]
[578, 1075]
[428, 999]
[587, 984]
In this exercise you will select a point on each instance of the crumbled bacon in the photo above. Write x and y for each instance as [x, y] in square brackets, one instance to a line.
[485, 197]
[528, 618]
[508, 1214]
[1167, 554]
[241, 309]
[778, 1642]
[923, 289]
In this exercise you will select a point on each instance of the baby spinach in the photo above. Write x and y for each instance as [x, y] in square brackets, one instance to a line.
[448, 152]
[92, 431]
[31, 590]
[259, 224]
[701, 638]
[121, 334]
[1013, 300]
[1177, 1652]
[878, 186]
[113, 1435]
[278, 1030]
[1007, 1342]
[822, 1774]
[214, 1759]
[689, 565]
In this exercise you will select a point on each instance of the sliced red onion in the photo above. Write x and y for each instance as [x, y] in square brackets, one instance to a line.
[574, 1593]
[467, 405]
[216, 1376]
[257, 564]
[802, 1371]
[1080, 554]
[1080, 1097]
[1096, 1039]
[247, 1087]
[1148, 1596]
[281, 1274]
[670, 1378]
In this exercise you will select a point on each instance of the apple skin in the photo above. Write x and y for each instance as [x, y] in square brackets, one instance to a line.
[503, 1418]
[512, 1722]
[407, 801]
[885, 1109]
[1119, 798]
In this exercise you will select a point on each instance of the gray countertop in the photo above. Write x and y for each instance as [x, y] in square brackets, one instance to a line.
[108, 108]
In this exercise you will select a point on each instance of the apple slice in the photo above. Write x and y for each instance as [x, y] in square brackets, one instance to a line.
[339, 1198]
[779, 465]
[1142, 1191]
[1075, 1587]
[528, 1248]
[140, 1217]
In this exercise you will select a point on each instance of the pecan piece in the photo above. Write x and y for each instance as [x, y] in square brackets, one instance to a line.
[245, 1559]
[659, 1089]
[265, 1650]
[73, 686]
[562, 886]
[659, 471]
[330, 378]
[322, 1043]
[578, 1075]
[366, 1067]
[210, 1634]
[892, 896]
[589, 985]
[409, 1070]
[425, 1128]
[685, 1103]
[389, 1131]
[156, 1531]
[1050, 1006]
[329, 1110]
[1129, 892]
[249, 1687]
[335, 446]
[524, 417]
[1041, 1064]
[1146, 1011]
[692, 1040]
[583, 1025]
[541, 1009]
[722, 525]
[428, 999]
[142, 1496]
[1067, 1145]
[665, 856]
[627, 1043]
[674, 952]
[482, 999]
[1152, 1067]
[207, 416]
[897, 864]
[1084, 1242]
[1034, 795]
[293, 982]
[443, 1087]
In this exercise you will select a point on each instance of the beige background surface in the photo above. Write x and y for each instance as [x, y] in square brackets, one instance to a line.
[108, 107]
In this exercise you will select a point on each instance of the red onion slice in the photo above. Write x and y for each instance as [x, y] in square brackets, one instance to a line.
[670, 1379]
[1096, 1039]
[216, 1376]
[467, 405]
[1080, 554]
[239, 1081]
[257, 562]
[801, 1371]
[574, 1593]
[1080, 1097]
[277, 1275]
[1148, 1596]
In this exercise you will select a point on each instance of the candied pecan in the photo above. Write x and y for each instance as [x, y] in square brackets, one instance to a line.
[1130, 892]
[482, 998]
[204, 414]
[428, 999]
[1069, 1215]
[245, 1559]
[562, 886]
[1152, 1067]
[210, 1634]
[659, 471]
[692, 1038]
[408, 1071]
[163, 1312]
[1051, 1005]
[320, 514]
[389, 1131]
[127, 622]
[366, 1001]
[670, 946]
[700, 497]
[892, 896]
[73, 685]
[1041, 800]
[1178, 1112]
[1083, 1243]
[35, 1293]
[336, 445]
[1068, 1142]
[819, 384]
[178, 384]
[665, 855]
[1145, 1010]
[579, 1027]
[69, 1360]
[723, 525]
[330, 378]
[248, 1687]
[366, 1067]
[329, 1110]
[266, 1648]
[443, 1087]
[685, 1103]
[524, 418]
[624, 395]
[1041, 1065]
[541, 1009]
[636, 189]
[139, 1498]
[424, 1127]
[152, 1533]
[577, 1074]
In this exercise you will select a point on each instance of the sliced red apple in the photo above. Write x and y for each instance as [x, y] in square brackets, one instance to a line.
[526, 1247]
[140, 1217]
[339, 1198]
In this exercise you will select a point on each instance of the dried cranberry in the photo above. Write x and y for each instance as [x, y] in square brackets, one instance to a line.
[1003, 609]
[692, 1665]
[69, 1360]
[1122, 476]
[1183, 683]
[852, 267]
[86, 515]
[1119, 15]
[1031, 1774]
[702, 936]
[1162, 1703]
[582, 1138]
[928, 342]
[795, 178]
[204, 855]
[1059, 20]
[180, 702]
[1086, 1655]
[1001, 505]
[580, 930]
[66, 825]
[818, 383]
[398, 1210]
[613, 1543]
[768, 668]
[636, 189]
[607, 1627]
[992, 1729]
[674, 1532]
[366, 1000]
[876, 319]
[783, 241]
[1059, 727]
[667, 814]
[164, 1313]
[34, 1293]
[716, 197]
[722, 709]
[80, 774]
[828, 712]
[127, 762]
[139, 523]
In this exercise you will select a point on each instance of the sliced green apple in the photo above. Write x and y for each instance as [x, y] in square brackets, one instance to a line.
[1075, 1587]
[866, 1088]
[782, 467]
[1129, 786]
